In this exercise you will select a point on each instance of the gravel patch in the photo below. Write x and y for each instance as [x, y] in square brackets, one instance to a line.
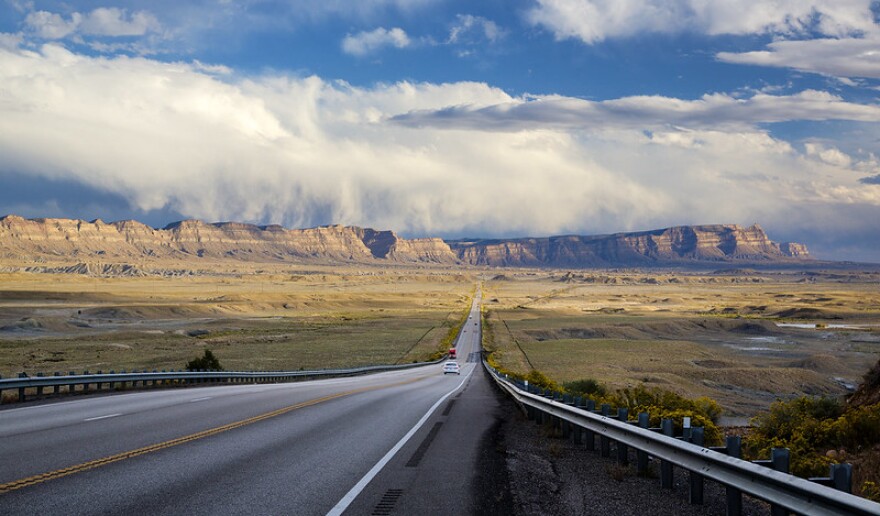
[548, 475]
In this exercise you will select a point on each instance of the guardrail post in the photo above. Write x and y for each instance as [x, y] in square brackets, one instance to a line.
[642, 456]
[72, 387]
[604, 446]
[21, 396]
[734, 496]
[539, 416]
[841, 477]
[577, 430]
[86, 385]
[780, 460]
[695, 479]
[665, 466]
[40, 387]
[56, 388]
[604, 443]
[555, 421]
[589, 435]
[622, 449]
[98, 385]
[566, 426]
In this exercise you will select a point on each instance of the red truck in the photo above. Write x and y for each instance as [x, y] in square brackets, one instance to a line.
[451, 352]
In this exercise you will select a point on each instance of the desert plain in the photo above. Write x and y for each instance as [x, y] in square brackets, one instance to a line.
[741, 336]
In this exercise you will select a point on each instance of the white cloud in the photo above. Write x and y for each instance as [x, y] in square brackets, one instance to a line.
[645, 112]
[470, 29]
[831, 156]
[592, 21]
[51, 25]
[102, 21]
[10, 41]
[117, 22]
[363, 9]
[306, 151]
[364, 43]
[847, 57]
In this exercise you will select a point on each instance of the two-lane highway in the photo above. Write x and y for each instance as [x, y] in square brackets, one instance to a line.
[295, 448]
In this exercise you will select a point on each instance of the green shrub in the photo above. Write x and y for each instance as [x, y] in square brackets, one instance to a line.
[662, 404]
[539, 379]
[207, 362]
[587, 387]
[871, 491]
[809, 427]
[797, 419]
[858, 427]
[638, 399]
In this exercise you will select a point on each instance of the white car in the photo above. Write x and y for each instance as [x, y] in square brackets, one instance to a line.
[451, 368]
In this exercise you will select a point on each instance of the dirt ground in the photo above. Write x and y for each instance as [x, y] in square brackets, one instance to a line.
[267, 318]
[744, 338]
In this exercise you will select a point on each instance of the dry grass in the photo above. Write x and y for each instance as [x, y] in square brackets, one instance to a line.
[278, 318]
[696, 334]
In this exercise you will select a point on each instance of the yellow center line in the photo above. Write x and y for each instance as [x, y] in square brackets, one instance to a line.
[92, 464]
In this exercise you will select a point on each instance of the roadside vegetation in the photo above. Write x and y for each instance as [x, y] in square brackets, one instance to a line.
[822, 431]
[694, 347]
[451, 334]
[206, 362]
[658, 403]
[741, 338]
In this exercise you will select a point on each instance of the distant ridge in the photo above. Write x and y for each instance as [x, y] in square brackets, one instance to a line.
[188, 239]
[45, 240]
[675, 245]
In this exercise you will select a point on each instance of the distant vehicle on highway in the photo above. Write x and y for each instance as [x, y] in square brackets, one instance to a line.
[451, 352]
[451, 368]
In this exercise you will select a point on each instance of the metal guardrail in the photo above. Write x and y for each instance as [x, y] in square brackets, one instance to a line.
[783, 491]
[40, 382]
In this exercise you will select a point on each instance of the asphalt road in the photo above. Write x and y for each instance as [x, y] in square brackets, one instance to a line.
[328, 446]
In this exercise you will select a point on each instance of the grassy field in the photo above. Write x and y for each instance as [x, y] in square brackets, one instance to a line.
[695, 334]
[275, 319]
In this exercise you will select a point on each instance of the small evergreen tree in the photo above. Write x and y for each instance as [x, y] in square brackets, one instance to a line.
[208, 362]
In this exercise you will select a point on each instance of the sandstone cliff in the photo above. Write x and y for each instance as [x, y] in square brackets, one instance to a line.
[683, 244]
[42, 240]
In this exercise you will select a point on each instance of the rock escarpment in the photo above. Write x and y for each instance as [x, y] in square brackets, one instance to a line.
[47, 238]
[36, 240]
[682, 244]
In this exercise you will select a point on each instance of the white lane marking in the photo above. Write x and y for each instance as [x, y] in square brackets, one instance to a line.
[349, 497]
[102, 417]
[200, 399]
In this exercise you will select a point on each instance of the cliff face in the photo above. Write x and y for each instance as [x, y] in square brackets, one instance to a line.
[683, 244]
[225, 240]
[45, 239]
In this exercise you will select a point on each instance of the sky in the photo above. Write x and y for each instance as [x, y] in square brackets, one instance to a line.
[451, 118]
